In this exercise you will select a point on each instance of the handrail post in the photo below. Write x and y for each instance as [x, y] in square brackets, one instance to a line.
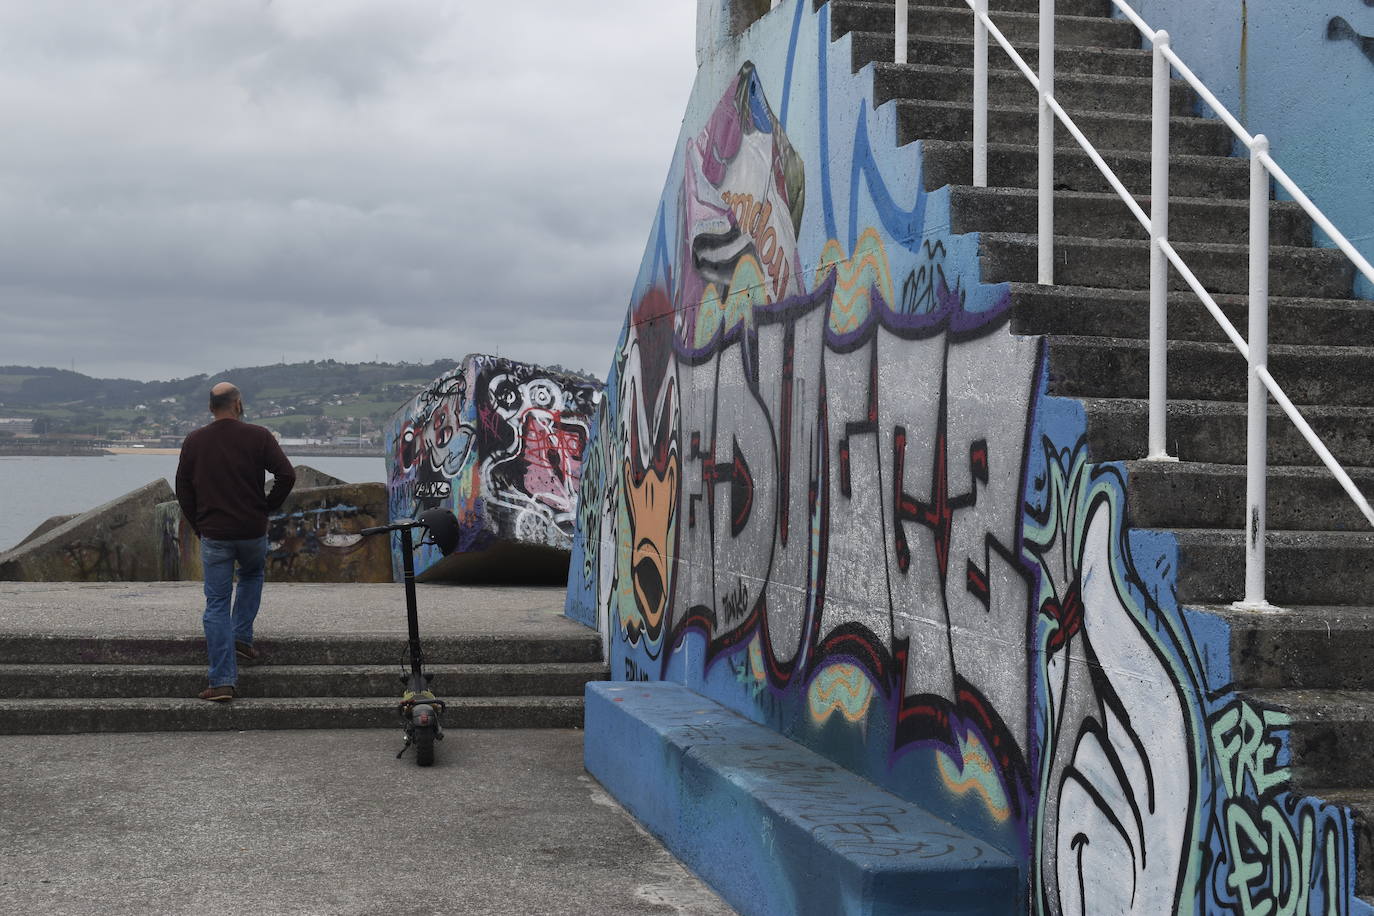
[1258, 409]
[980, 95]
[899, 33]
[1159, 262]
[1045, 227]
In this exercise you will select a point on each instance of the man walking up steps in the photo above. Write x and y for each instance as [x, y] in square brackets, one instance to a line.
[220, 482]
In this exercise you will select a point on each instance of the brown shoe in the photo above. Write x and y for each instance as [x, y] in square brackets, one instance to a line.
[217, 694]
[245, 652]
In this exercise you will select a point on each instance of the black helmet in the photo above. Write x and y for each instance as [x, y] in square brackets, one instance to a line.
[443, 528]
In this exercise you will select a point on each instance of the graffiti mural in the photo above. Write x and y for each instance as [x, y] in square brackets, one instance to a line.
[827, 487]
[312, 537]
[1116, 790]
[500, 443]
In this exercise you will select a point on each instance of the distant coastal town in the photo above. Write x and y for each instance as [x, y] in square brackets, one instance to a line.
[79, 446]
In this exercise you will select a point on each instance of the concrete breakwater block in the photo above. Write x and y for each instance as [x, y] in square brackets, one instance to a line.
[116, 542]
[308, 478]
[47, 525]
[311, 538]
[500, 443]
[774, 827]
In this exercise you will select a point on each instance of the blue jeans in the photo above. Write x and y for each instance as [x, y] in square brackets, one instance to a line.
[224, 626]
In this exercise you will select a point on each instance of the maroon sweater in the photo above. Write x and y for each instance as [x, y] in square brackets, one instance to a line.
[220, 479]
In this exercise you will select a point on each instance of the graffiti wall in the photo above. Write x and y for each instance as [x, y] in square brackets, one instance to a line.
[827, 488]
[500, 443]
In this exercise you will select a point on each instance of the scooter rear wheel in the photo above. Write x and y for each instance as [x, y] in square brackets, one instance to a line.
[424, 746]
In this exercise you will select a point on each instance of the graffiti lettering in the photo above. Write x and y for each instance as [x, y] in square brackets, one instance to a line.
[1279, 854]
[736, 603]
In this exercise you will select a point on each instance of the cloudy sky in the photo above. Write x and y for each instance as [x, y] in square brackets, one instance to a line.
[192, 186]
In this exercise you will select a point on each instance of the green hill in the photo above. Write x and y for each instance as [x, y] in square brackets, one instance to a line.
[317, 398]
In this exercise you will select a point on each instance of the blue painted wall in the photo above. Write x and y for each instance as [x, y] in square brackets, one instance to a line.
[1298, 72]
[826, 487]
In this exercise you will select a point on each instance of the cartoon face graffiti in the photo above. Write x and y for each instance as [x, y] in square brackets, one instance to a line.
[650, 468]
[652, 502]
[499, 442]
[533, 430]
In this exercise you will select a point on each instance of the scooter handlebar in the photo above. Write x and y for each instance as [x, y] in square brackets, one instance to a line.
[394, 526]
[441, 524]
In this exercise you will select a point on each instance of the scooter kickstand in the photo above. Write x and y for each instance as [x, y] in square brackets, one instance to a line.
[405, 747]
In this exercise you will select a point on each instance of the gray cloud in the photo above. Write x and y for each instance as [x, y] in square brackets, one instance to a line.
[187, 187]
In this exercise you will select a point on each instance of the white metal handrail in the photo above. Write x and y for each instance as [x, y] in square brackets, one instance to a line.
[1162, 252]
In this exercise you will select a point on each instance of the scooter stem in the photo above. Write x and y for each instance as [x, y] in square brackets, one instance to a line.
[412, 618]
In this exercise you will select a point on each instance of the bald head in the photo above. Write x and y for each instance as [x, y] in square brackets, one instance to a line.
[226, 401]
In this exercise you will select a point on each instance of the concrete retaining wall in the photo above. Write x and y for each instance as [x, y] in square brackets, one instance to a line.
[827, 489]
[116, 542]
[500, 443]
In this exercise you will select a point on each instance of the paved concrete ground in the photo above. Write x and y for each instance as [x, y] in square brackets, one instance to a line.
[320, 822]
[174, 608]
[315, 822]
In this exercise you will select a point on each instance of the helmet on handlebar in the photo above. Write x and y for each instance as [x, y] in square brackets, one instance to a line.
[443, 528]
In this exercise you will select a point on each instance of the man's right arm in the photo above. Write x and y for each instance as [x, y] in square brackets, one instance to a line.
[284, 476]
[186, 490]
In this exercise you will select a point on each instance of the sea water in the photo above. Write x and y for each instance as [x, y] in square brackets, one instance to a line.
[34, 488]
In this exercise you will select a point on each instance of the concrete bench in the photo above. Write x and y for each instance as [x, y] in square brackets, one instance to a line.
[774, 827]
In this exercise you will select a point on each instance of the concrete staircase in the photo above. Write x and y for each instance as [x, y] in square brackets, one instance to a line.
[1312, 660]
[66, 684]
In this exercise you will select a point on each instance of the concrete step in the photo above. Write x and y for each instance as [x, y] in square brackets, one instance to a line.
[1017, 166]
[1105, 216]
[1215, 431]
[1301, 567]
[1080, 310]
[1331, 736]
[1303, 646]
[1099, 367]
[160, 714]
[1061, 7]
[922, 119]
[1319, 273]
[1163, 494]
[489, 649]
[957, 51]
[1086, 31]
[1010, 89]
[66, 681]
[1360, 801]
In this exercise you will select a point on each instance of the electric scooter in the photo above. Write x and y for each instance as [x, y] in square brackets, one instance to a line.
[420, 710]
